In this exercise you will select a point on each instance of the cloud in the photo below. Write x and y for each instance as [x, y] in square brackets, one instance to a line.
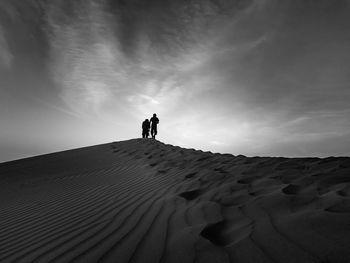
[86, 62]
[6, 57]
[125, 49]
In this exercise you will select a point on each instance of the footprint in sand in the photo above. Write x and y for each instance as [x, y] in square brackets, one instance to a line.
[225, 232]
[341, 207]
[291, 189]
[345, 191]
[190, 175]
[163, 171]
[247, 180]
[214, 233]
[191, 195]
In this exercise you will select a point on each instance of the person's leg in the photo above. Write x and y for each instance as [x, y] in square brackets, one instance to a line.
[154, 132]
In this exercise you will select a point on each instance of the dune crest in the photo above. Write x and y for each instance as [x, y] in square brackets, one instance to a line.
[145, 201]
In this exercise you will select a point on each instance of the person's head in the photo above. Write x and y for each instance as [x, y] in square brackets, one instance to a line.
[146, 119]
[154, 115]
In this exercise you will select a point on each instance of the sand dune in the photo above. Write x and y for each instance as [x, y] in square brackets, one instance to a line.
[145, 201]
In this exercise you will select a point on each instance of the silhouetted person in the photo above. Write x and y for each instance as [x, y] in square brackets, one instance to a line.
[145, 128]
[154, 122]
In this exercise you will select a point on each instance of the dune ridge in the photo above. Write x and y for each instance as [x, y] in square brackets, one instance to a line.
[146, 201]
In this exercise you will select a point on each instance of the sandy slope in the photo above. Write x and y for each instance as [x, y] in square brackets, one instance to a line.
[144, 201]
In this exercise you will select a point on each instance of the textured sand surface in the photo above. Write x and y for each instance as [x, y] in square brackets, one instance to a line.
[145, 201]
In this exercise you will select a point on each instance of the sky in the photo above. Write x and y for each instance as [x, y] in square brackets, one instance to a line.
[251, 77]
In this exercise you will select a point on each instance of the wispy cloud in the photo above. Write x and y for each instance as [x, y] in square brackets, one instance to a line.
[153, 63]
[6, 56]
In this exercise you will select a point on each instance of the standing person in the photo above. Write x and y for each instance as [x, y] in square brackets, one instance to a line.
[145, 128]
[154, 122]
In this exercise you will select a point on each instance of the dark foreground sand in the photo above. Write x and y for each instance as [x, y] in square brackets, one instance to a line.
[144, 201]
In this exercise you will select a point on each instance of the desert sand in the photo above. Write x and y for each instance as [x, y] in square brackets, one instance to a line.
[145, 201]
